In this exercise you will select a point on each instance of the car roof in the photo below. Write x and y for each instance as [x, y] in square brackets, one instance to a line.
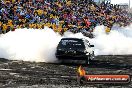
[79, 39]
[71, 38]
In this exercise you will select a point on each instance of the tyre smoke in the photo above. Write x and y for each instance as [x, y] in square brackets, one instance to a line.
[40, 45]
[29, 45]
[117, 42]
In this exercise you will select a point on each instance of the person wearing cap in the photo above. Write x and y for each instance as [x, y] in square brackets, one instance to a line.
[0, 27]
[4, 28]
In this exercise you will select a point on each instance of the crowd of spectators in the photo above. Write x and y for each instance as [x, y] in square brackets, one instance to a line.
[60, 15]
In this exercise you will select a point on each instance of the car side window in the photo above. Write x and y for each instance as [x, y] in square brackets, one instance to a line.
[87, 43]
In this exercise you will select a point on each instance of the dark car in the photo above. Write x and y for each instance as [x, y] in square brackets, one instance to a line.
[75, 49]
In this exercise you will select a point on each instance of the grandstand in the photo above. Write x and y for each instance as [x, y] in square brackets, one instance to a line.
[61, 15]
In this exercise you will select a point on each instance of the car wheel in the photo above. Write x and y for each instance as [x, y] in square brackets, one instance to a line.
[88, 59]
[92, 56]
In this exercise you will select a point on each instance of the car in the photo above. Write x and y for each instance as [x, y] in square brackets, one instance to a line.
[75, 49]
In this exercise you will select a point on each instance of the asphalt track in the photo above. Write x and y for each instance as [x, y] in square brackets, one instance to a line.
[20, 74]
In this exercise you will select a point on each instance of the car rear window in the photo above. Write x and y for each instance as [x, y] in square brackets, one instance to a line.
[71, 43]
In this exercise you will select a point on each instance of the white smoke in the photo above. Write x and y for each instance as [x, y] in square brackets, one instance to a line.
[117, 42]
[29, 45]
[40, 45]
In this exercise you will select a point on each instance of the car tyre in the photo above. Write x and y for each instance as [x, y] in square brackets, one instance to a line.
[88, 60]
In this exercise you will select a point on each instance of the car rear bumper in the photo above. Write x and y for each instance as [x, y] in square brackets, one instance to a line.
[63, 57]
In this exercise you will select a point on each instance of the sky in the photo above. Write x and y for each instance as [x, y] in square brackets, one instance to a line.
[120, 1]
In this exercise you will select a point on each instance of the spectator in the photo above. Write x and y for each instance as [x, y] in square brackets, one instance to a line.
[61, 15]
[0, 27]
